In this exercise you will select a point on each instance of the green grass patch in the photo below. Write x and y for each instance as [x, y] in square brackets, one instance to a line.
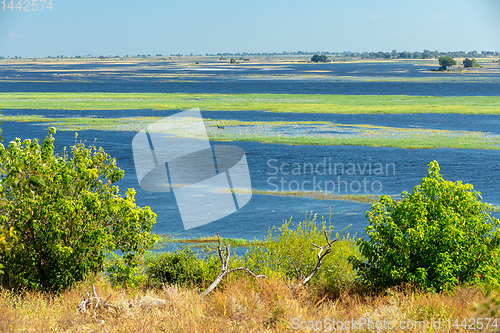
[255, 102]
[473, 141]
[361, 198]
[292, 133]
[164, 239]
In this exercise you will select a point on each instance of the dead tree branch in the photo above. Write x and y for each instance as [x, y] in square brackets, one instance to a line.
[225, 255]
[93, 300]
[327, 248]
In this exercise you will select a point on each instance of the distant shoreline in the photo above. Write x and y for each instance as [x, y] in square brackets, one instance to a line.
[222, 59]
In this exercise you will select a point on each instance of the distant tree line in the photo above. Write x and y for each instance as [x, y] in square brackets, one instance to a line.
[425, 54]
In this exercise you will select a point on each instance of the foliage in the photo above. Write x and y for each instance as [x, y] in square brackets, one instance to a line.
[437, 237]
[446, 61]
[288, 251]
[233, 61]
[67, 213]
[7, 240]
[180, 267]
[7, 237]
[125, 270]
[319, 58]
[470, 63]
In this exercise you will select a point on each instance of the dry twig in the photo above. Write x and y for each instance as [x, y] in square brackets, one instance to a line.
[321, 255]
[224, 255]
[95, 301]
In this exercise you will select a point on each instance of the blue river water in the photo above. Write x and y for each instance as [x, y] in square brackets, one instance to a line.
[270, 164]
[332, 78]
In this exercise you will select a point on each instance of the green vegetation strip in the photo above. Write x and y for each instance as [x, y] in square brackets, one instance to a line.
[254, 102]
[361, 198]
[164, 239]
[495, 209]
[292, 132]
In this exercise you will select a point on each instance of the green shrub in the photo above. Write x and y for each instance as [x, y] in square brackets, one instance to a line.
[437, 237]
[319, 58]
[125, 270]
[288, 250]
[181, 267]
[66, 213]
[470, 63]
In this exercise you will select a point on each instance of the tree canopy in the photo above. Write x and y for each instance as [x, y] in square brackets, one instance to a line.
[67, 214]
[436, 237]
[446, 61]
[469, 63]
[319, 58]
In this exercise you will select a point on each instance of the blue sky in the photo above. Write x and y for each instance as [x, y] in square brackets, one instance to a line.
[199, 27]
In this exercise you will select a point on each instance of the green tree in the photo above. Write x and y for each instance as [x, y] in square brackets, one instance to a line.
[7, 236]
[436, 237]
[319, 58]
[67, 214]
[468, 63]
[446, 61]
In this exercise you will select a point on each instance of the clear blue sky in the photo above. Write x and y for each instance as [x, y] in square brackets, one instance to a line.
[101, 27]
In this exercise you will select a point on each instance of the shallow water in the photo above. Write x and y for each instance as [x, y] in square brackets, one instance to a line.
[169, 77]
[271, 167]
[454, 122]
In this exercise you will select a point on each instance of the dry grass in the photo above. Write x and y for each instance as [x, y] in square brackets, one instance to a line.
[241, 305]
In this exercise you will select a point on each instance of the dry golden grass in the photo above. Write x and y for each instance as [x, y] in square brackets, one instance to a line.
[240, 305]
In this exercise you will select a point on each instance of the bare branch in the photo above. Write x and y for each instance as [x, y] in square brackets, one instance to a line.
[327, 248]
[224, 256]
[94, 298]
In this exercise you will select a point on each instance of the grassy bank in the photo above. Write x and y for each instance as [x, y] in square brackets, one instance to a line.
[244, 305]
[266, 102]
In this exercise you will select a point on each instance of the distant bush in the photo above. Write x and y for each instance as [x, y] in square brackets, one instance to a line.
[288, 250]
[66, 214]
[180, 267]
[319, 58]
[437, 237]
[470, 63]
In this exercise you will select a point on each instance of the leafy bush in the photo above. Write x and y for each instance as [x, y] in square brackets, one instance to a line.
[288, 251]
[470, 63]
[125, 270]
[319, 58]
[436, 237]
[66, 213]
[180, 267]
